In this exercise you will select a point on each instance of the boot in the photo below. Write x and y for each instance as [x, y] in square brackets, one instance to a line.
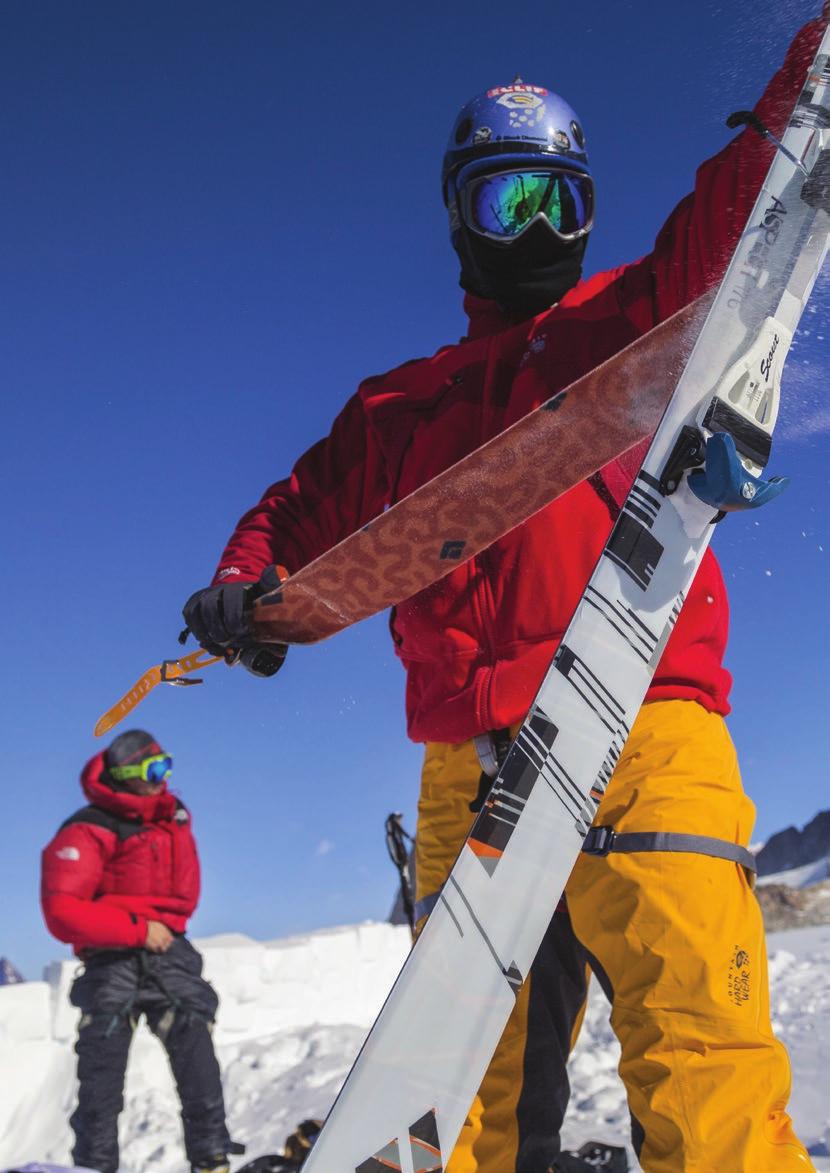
[215, 1164]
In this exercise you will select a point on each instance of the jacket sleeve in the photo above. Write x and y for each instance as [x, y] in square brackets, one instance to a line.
[694, 246]
[72, 866]
[337, 486]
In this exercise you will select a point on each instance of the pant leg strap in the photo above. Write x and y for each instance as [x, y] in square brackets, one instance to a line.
[602, 840]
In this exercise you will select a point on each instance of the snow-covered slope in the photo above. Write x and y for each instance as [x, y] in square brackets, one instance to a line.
[292, 1016]
[801, 877]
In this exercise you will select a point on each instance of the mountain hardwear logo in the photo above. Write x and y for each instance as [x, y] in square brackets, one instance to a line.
[738, 982]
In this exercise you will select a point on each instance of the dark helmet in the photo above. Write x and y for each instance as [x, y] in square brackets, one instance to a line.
[520, 195]
[129, 748]
[133, 757]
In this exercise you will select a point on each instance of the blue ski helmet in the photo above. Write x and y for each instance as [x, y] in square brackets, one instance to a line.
[510, 128]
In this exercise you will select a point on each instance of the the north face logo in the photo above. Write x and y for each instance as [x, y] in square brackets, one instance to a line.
[68, 853]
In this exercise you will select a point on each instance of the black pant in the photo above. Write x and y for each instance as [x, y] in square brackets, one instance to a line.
[115, 988]
[558, 982]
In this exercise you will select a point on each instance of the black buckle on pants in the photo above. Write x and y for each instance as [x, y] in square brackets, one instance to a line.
[599, 841]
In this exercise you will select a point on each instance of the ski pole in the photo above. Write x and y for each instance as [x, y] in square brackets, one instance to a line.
[396, 838]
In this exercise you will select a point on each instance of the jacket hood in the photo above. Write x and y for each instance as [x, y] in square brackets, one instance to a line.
[144, 808]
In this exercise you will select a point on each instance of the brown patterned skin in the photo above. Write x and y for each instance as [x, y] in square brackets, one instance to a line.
[486, 494]
[475, 644]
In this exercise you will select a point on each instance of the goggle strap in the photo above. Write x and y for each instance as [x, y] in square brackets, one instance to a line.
[141, 769]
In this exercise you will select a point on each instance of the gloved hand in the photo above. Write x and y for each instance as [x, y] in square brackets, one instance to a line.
[220, 619]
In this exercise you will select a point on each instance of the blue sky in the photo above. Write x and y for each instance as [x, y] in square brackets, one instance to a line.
[217, 219]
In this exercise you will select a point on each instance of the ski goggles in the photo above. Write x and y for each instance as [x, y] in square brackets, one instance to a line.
[502, 206]
[155, 769]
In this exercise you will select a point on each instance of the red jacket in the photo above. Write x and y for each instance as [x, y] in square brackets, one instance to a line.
[476, 645]
[118, 863]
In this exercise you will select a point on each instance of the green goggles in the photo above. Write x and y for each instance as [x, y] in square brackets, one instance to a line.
[155, 769]
[503, 205]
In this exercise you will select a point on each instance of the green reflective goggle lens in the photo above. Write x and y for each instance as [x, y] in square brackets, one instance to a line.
[154, 769]
[502, 206]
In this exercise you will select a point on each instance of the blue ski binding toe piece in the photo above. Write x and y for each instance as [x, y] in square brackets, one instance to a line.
[724, 483]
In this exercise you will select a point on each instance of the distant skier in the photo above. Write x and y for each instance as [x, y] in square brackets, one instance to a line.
[676, 940]
[119, 883]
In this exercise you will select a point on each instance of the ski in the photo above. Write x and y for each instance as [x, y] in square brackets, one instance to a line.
[449, 520]
[167, 672]
[409, 1091]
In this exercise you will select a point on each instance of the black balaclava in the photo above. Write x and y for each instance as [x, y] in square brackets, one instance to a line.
[525, 276]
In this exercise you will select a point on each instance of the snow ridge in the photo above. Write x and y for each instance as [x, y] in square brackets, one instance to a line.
[293, 1014]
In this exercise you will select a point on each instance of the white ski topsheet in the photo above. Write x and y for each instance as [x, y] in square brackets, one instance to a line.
[407, 1096]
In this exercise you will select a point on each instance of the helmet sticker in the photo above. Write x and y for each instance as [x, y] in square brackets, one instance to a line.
[562, 140]
[482, 135]
[517, 89]
[523, 109]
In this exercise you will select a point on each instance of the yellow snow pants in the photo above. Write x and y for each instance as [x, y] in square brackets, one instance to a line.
[677, 942]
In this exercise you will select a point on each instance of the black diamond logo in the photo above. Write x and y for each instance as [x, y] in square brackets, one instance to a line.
[452, 551]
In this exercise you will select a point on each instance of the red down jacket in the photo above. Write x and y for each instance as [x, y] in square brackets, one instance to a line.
[476, 644]
[116, 864]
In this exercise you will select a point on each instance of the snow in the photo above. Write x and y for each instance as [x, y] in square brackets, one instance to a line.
[293, 1014]
[800, 877]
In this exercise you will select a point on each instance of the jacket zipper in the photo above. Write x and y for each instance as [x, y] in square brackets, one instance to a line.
[484, 591]
[488, 640]
[172, 835]
[156, 853]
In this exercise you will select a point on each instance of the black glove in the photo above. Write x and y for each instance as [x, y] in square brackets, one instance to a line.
[220, 619]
